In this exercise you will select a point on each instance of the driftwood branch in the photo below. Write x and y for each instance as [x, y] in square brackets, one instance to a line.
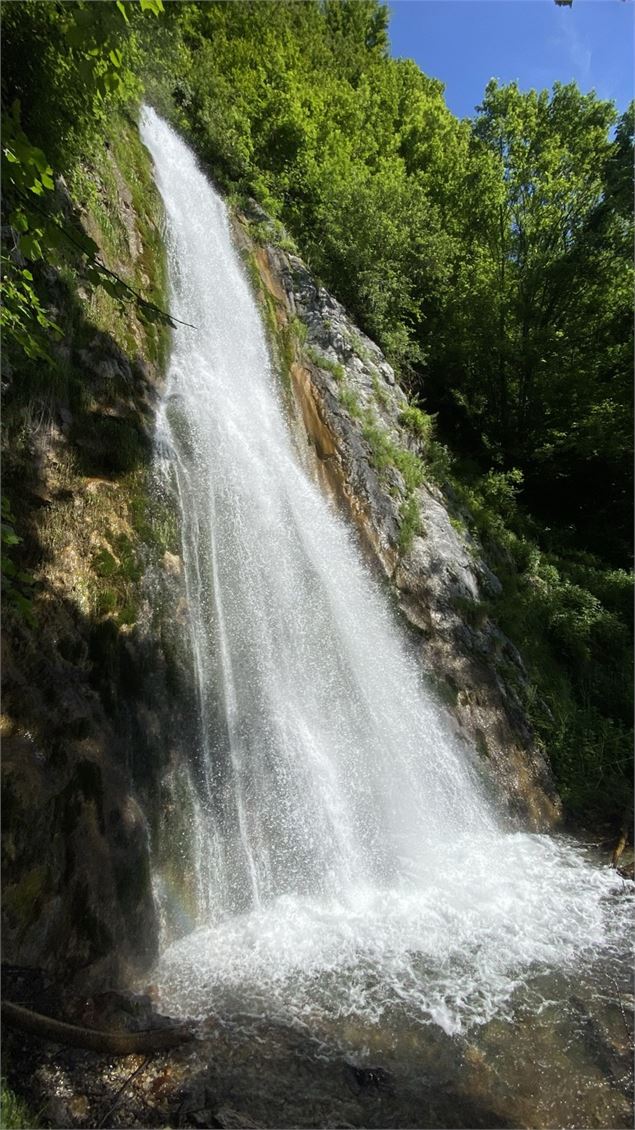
[92, 1039]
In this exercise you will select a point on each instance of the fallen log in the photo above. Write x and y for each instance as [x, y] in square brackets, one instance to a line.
[93, 1039]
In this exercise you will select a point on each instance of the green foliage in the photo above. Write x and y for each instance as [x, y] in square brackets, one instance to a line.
[104, 564]
[358, 347]
[409, 523]
[128, 613]
[380, 392]
[25, 323]
[14, 1112]
[385, 453]
[410, 467]
[349, 401]
[420, 423]
[106, 601]
[127, 566]
[272, 232]
[571, 620]
[435, 457]
[153, 516]
[300, 106]
[75, 60]
[321, 361]
[439, 462]
[253, 272]
[122, 569]
[531, 354]
[298, 329]
[381, 447]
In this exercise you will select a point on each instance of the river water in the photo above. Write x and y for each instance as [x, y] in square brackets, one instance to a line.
[348, 876]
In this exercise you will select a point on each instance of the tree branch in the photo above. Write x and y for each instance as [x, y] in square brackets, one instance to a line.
[114, 1043]
[112, 274]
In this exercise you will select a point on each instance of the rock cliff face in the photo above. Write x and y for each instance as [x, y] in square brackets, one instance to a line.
[354, 431]
[93, 701]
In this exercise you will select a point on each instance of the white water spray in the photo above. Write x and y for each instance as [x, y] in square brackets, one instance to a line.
[347, 858]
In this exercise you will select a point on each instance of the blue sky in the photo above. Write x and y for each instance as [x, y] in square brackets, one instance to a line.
[466, 42]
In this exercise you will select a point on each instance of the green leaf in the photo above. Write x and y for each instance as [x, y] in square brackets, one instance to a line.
[112, 82]
[86, 70]
[30, 246]
[24, 605]
[55, 238]
[122, 9]
[149, 314]
[19, 221]
[74, 35]
[112, 286]
[37, 158]
[9, 536]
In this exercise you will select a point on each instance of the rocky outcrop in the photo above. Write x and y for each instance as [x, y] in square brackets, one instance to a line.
[356, 437]
[94, 696]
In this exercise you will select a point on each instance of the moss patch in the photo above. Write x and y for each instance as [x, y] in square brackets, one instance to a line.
[21, 899]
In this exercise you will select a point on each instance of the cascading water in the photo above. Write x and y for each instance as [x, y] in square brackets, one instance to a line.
[348, 860]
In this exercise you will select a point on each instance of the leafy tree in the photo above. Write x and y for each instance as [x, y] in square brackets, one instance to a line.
[538, 348]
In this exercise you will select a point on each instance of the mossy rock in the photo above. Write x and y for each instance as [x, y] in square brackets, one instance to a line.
[21, 899]
[104, 564]
[110, 445]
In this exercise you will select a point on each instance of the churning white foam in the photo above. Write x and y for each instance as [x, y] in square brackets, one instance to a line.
[450, 946]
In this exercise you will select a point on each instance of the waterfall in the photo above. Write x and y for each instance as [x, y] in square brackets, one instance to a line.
[347, 857]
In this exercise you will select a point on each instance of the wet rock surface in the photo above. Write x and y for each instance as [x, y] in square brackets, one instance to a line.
[247, 1072]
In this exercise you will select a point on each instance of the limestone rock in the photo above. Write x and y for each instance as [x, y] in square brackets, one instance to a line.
[172, 563]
